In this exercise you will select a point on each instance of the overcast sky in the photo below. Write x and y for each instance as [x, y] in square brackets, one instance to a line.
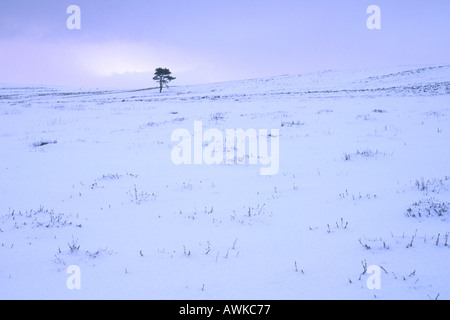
[120, 43]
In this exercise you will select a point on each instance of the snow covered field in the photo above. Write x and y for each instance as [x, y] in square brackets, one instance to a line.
[87, 180]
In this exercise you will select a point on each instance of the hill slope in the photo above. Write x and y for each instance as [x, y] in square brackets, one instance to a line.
[87, 179]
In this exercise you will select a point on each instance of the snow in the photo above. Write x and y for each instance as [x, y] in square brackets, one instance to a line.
[86, 179]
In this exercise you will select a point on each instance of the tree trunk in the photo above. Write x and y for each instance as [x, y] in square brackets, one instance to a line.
[160, 85]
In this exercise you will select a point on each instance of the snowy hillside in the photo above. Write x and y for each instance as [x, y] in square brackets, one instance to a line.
[87, 180]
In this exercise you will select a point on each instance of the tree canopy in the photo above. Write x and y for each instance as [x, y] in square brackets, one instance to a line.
[163, 77]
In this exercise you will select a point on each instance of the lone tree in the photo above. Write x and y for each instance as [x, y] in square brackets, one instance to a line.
[163, 76]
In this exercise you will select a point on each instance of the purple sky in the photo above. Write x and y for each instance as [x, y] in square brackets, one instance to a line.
[121, 42]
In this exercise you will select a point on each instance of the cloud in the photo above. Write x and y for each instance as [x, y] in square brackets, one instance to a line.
[84, 63]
